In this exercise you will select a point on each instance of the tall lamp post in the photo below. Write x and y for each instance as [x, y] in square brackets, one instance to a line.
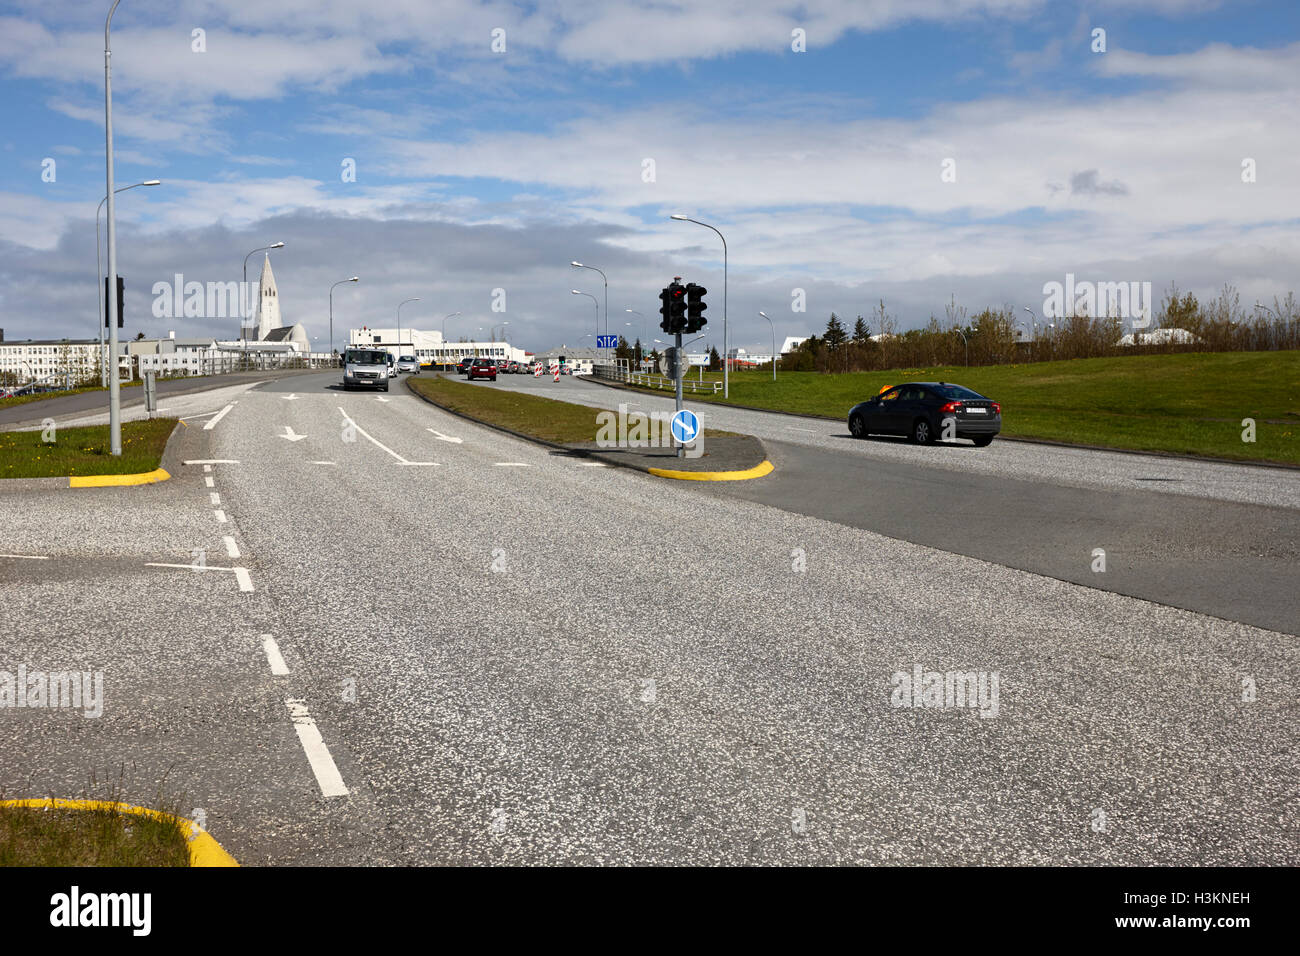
[99, 276]
[595, 302]
[114, 396]
[642, 314]
[579, 265]
[399, 323]
[769, 322]
[964, 340]
[1033, 335]
[726, 360]
[444, 334]
[340, 282]
[244, 287]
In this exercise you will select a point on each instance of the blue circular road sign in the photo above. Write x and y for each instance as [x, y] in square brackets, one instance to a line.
[685, 426]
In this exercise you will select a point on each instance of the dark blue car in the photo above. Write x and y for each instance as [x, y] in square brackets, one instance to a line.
[926, 411]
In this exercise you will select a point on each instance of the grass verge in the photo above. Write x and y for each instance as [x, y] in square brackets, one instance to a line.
[84, 451]
[103, 836]
[1190, 404]
[545, 418]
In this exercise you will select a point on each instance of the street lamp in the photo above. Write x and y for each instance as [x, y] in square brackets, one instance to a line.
[399, 323]
[726, 361]
[1033, 335]
[99, 277]
[964, 340]
[769, 322]
[340, 282]
[595, 301]
[446, 353]
[114, 397]
[243, 289]
[642, 314]
[579, 265]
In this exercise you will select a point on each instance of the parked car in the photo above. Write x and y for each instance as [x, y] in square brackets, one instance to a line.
[483, 368]
[366, 368]
[462, 367]
[407, 363]
[926, 411]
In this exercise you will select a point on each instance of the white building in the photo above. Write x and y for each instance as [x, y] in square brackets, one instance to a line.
[792, 342]
[429, 347]
[1158, 337]
[33, 359]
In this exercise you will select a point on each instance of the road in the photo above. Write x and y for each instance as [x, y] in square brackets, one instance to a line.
[512, 656]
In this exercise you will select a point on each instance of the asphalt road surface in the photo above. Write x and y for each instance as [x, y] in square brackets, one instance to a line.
[506, 655]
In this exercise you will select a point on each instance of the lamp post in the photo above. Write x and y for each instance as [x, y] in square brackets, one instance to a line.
[444, 333]
[964, 340]
[340, 282]
[1033, 334]
[114, 397]
[579, 265]
[769, 322]
[595, 302]
[99, 277]
[399, 323]
[244, 287]
[642, 314]
[726, 360]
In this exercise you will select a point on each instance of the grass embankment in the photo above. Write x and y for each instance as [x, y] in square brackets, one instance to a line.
[545, 418]
[1189, 404]
[84, 451]
[104, 836]
[42, 396]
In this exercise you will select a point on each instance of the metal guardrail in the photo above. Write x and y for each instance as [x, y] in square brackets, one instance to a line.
[651, 380]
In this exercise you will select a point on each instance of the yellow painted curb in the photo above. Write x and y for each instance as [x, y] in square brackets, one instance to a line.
[204, 851]
[758, 471]
[105, 481]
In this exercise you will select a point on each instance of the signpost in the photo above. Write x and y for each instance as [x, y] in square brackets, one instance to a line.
[607, 341]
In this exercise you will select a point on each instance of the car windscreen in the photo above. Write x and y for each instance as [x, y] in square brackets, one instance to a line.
[366, 358]
[408, 358]
[955, 392]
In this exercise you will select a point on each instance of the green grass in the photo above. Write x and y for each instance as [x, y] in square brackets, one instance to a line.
[42, 396]
[544, 418]
[1190, 403]
[31, 836]
[84, 451]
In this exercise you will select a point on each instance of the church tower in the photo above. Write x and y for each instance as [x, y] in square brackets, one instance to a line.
[268, 303]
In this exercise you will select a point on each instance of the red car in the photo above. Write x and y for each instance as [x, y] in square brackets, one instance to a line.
[483, 368]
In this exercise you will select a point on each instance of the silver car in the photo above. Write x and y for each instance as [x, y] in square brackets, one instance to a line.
[408, 363]
[365, 368]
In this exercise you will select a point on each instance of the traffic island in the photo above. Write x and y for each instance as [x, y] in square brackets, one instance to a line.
[79, 457]
[54, 832]
[574, 429]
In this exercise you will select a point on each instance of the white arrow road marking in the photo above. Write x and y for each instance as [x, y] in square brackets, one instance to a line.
[511, 464]
[211, 461]
[278, 667]
[288, 433]
[318, 755]
[441, 437]
[365, 434]
[380, 398]
[220, 415]
[291, 397]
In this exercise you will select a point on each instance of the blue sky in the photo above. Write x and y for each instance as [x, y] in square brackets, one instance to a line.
[479, 170]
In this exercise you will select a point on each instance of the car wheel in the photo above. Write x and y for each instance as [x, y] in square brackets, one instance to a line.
[982, 441]
[385, 388]
[922, 434]
[857, 427]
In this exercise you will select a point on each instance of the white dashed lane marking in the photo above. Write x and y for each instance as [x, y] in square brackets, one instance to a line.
[232, 549]
[278, 667]
[318, 755]
[221, 515]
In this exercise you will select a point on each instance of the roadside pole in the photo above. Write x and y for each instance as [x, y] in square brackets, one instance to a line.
[677, 380]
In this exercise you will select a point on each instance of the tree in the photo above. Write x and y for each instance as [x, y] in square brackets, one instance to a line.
[835, 335]
[860, 331]
[715, 360]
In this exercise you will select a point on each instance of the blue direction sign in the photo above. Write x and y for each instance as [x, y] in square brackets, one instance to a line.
[607, 341]
[685, 426]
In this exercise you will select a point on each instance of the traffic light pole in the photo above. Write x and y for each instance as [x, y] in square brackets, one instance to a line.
[681, 449]
[114, 398]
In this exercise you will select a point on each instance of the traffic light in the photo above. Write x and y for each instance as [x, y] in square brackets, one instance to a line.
[695, 306]
[121, 292]
[674, 308]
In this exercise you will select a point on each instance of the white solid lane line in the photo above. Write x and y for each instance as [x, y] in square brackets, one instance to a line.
[320, 463]
[378, 443]
[318, 755]
[232, 549]
[278, 667]
[211, 461]
[28, 557]
[511, 464]
[220, 415]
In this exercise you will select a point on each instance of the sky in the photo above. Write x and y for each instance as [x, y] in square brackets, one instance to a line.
[919, 152]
